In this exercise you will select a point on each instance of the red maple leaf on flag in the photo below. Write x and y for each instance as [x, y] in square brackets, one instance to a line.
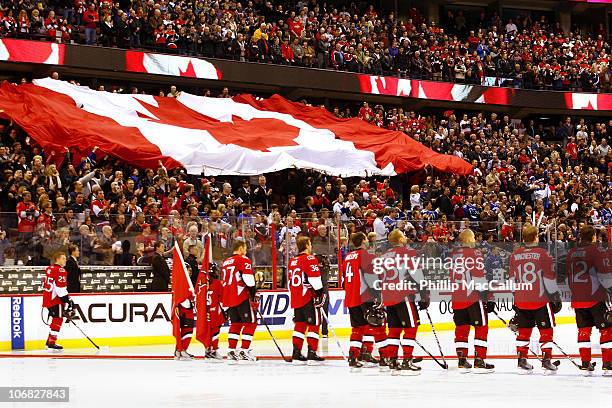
[189, 71]
[255, 134]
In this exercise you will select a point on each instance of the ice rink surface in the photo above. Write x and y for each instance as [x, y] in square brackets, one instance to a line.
[144, 377]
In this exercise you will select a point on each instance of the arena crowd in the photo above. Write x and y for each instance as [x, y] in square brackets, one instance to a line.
[526, 52]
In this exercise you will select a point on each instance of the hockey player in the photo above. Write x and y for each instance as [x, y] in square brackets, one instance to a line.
[307, 297]
[56, 299]
[186, 317]
[241, 301]
[215, 313]
[536, 298]
[470, 306]
[402, 312]
[588, 272]
[357, 281]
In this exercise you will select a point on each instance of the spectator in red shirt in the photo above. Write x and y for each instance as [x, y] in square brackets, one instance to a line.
[91, 19]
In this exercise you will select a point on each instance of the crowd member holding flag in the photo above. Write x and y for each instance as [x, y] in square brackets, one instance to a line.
[183, 316]
[241, 301]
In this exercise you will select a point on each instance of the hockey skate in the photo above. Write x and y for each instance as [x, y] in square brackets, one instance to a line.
[587, 368]
[482, 367]
[524, 367]
[394, 366]
[368, 360]
[54, 348]
[214, 355]
[297, 358]
[548, 367]
[607, 369]
[355, 365]
[313, 359]
[182, 355]
[408, 368]
[247, 357]
[463, 365]
[383, 365]
[232, 357]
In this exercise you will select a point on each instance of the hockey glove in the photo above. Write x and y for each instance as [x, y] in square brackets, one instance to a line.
[490, 306]
[513, 324]
[555, 302]
[425, 300]
[319, 299]
[255, 302]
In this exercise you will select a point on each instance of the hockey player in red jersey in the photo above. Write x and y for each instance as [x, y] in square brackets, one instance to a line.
[402, 312]
[588, 270]
[470, 305]
[307, 298]
[241, 301]
[536, 298]
[215, 313]
[56, 299]
[358, 283]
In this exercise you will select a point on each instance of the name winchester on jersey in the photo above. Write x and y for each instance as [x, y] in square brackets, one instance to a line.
[447, 285]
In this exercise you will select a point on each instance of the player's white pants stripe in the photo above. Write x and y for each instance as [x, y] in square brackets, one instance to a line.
[408, 342]
[356, 344]
[299, 335]
[584, 344]
[551, 316]
[368, 339]
[382, 344]
[411, 314]
[393, 342]
[313, 335]
[233, 336]
[522, 343]
[483, 315]
[461, 344]
[480, 343]
[187, 336]
[607, 345]
[546, 345]
[247, 337]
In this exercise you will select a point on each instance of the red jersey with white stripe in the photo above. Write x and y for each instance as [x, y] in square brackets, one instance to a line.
[235, 269]
[532, 269]
[304, 279]
[585, 265]
[399, 281]
[55, 285]
[357, 277]
[467, 275]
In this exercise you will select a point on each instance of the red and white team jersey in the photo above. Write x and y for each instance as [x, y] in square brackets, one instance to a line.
[467, 274]
[304, 279]
[584, 267]
[395, 281]
[55, 285]
[357, 276]
[531, 268]
[214, 296]
[236, 269]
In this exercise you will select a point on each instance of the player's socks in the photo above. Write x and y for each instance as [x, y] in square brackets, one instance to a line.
[462, 332]
[312, 339]
[584, 343]
[480, 341]
[355, 341]
[299, 334]
[248, 329]
[234, 335]
[408, 342]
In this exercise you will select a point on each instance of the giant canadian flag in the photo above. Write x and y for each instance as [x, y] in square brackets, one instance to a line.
[241, 135]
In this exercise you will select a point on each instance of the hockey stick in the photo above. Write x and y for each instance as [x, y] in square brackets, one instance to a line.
[333, 333]
[556, 362]
[443, 365]
[273, 338]
[83, 333]
[566, 355]
[433, 329]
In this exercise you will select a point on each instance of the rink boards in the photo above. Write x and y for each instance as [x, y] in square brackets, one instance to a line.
[144, 318]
